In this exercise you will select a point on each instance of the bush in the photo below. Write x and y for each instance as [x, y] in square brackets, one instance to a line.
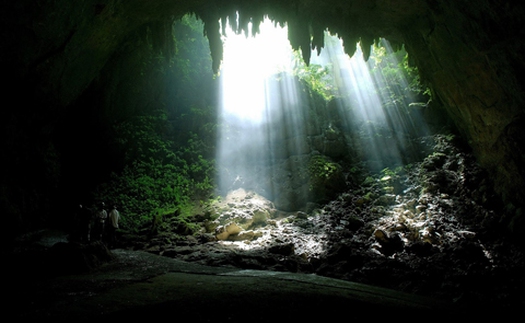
[326, 177]
[160, 179]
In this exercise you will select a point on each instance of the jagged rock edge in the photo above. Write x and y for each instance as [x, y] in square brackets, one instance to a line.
[304, 33]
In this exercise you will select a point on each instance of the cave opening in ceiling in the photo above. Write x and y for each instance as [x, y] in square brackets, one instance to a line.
[284, 122]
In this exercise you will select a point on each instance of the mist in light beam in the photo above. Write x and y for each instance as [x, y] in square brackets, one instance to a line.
[368, 100]
[261, 116]
[266, 139]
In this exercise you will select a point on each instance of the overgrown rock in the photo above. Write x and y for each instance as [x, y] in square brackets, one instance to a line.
[417, 239]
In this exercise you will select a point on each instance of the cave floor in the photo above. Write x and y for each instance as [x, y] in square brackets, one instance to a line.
[434, 247]
[138, 285]
[432, 230]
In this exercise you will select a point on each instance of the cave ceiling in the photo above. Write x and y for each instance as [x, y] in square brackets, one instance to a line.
[468, 52]
[67, 45]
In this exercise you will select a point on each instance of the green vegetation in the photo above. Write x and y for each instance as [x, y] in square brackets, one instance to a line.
[321, 168]
[326, 177]
[316, 77]
[164, 144]
[167, 146]
[395, 77]
[158, 178]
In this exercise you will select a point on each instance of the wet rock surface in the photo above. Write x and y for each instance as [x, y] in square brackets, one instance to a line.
[137, 286]
[431, 228]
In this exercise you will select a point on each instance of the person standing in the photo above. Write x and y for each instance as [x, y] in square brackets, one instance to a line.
[100, 219]
[114, 217]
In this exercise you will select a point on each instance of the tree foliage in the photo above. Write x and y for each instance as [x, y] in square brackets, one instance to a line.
[166, 163]
[396, 79]
[158, 177]
[315, 76]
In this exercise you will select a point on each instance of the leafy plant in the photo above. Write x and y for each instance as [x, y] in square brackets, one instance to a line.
[326, 177]
[318, 78]
[166, 163]
[321, 168]
[158, 176]
[396, 78]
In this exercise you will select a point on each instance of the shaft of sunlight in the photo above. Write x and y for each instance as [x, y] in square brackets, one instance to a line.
[370, 102]
[263, 143]
[247, 64]
[259, 110]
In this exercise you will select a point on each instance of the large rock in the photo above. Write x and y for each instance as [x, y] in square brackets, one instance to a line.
[224, 232]
[238, 214]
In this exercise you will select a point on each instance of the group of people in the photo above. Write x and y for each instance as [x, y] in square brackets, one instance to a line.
[98, 224]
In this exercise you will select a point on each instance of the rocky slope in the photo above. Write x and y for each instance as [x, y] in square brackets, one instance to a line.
[431, 228]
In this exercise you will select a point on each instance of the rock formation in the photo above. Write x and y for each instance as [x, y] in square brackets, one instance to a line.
[467, 52]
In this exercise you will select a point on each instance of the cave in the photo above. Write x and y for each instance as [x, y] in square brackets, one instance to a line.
[106, 93]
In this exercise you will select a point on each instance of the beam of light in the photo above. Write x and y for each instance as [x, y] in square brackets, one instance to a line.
[368, 103]
[247, 64]
[265, 138]
[260, 116]
[263, 142]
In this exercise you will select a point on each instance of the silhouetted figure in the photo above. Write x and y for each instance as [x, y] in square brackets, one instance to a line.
[113, 219]
[100, 220]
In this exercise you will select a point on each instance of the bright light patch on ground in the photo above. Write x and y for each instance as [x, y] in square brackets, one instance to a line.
[247, 62]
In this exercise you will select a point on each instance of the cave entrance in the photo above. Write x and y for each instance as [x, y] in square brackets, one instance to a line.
[282, 119]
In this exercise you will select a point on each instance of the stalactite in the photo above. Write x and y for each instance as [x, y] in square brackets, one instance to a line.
[232, 20]
[257, 20]
[350, 44]
[318, 38]
[244, 21]
[299, 36]
[366, 43]
[212, 31]
[396, 46]
[224, 22]
[303, 33]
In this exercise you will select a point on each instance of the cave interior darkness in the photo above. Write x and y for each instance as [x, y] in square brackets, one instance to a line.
[77, 70]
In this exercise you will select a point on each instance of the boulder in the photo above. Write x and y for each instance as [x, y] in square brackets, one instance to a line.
[224, 232]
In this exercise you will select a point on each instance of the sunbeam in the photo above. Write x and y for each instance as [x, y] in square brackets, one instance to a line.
[247, 64]
[369, 100]
[260, 113]
[271, 131]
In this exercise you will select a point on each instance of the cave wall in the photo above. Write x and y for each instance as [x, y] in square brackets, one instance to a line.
[468, 52]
